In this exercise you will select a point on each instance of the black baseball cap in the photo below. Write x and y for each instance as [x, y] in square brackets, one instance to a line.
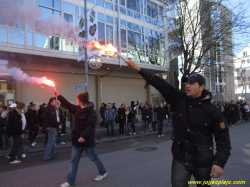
[195, 78]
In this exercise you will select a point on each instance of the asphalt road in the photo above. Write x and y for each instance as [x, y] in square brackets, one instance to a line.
[135, 162]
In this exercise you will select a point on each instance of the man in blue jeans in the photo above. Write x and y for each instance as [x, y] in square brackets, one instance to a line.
[50, 123]
[83, 136]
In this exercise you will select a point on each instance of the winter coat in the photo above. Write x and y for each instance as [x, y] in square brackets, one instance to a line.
[31, 118]
[84, 125]
[121, 115]
[196, 122]
[49, 118]
[160, 113]
[146, 114]
[2, 121]
[131, 117]
[14, 123]
[106, 114]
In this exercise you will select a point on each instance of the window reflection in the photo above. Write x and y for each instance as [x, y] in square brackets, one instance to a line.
[77, 10]
[123, 10]
[123, 38]
[101, 17]
[16, 36]
[50, 3]
[100, 2]
[134, 5]
[3, 34]
[41, 41]
[30, 38]
[47, 12]
[91, 1]
[101, 31]
[152, 10]
[67, 7]
[134, 41]
[54, 42]
[109, 19]
[67, 46]
[122, 2]
[109, 6]
[123, 24]
[68, 17]
[109, 34]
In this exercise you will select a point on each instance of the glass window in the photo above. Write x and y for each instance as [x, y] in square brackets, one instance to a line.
[91, 1]
[154, 46]
[123, 10]
[115, 7]
[101, 17]
[134, 27]
[134, 41]
[67, 7]
[141, 6]
[152, 10]
[243, 61]
[41, 41]
[123, 38]
[248, 60]
[130, 13]
[77, 21]
[47, 12]
[50, 3]
[136, 15]
[3, 34]
[100, 2]
[133, 5]
[16, 36]
[109, 6]
[68, 17]
[67, 47]
[54, 42]
[101, 31]
[122, 2]
[123, 24]
[160, 13]
[82, 11]
[77, 10]
[109, 34]
[109, 19]
[30, 38]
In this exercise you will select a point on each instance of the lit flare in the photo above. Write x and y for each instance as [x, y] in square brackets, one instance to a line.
[49, 83]
[109, 49]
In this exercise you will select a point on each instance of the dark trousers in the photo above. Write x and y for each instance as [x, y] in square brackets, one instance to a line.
[63, 126]
[110, 126]
[6, 138]
[160, 124]
[17, 141]
[121, 126]
[59, 135]
[33, 132]
[154, 126]
[181, 174]
[133, 126]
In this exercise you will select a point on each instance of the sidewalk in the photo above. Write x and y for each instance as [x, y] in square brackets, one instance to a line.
[100, 135]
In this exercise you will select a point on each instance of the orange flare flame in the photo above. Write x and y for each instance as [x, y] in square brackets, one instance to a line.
[49, 83]
[109, 49]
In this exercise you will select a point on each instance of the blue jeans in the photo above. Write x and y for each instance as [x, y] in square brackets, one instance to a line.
[6, 138]
[50, 149]
[144, 126]
[75, 158]
[170, 119]
[128, 128]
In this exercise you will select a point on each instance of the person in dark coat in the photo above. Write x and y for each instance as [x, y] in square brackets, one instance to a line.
[102, 109]
[33, 124]
[3, 133]
[146, 115]
[197, 121]
[14, 129]
[83, 136]
[160, 117]
[122, 119]
[232, 110]
[49, 123]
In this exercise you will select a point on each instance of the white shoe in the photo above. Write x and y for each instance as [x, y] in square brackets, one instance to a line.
[33, 144]
[62, 134]
[162, 135]
[23, 155]
[134, 133]
[159, 136]
[15, 162]
[100, 177]
[65, 185]
[63, 143]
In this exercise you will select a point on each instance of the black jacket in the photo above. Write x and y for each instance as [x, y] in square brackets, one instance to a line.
[14, 123]
[49, 118]
[2, 121]
[32, 118]
[160, 113]
[85, 122]
[146, 113]
[196, 122]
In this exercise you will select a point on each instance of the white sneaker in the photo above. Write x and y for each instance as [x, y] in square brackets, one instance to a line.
[15, 162]
[159, 136]
[162, 135]
[134, 133]
[33, 144]
[23, 155]
[100, 177]
[65, 185]
[63, 143]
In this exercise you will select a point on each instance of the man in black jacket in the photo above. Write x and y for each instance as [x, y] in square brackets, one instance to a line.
[146, 115]
[3, 131]
[160, 117]
[33, 124]
[49, 123]
[196, 122]
[83, 136]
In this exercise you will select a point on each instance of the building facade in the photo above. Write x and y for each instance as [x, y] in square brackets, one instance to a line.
[242, 74]
[142, 38]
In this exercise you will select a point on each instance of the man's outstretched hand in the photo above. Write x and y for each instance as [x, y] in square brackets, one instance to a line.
[131, 64]
[57, 93]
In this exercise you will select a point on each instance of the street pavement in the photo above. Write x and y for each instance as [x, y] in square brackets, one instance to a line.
[140, 161]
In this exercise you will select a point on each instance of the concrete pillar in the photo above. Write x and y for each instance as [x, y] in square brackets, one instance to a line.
[18, 91]
[149, 94]
[98, 97]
